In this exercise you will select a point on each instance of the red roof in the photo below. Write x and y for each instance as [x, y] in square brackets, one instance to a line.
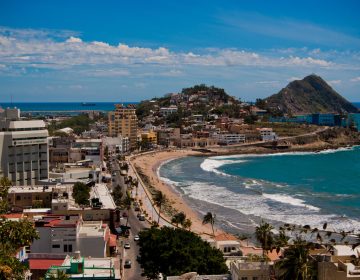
[44, 264]
[12, 216]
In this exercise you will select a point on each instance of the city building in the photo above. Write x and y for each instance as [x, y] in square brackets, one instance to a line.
[124, 121]
[165, 111]
[78, 267]
[149, 138]
[116, 145]
[267, 134]
[230, 138]
[61, 234]
[24, 156]
[247, 270]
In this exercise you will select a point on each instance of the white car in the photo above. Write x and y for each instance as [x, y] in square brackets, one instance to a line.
[136, 238]
[127, 245]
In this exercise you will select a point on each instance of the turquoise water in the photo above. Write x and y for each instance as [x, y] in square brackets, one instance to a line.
[301, 188]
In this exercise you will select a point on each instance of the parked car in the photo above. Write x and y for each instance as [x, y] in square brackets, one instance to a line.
[141, 217]
[136, 238]
[127, 245]
[127, 264]
[124, 214]
[137, 208]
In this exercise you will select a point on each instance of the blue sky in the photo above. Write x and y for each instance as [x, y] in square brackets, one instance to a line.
[132, 50]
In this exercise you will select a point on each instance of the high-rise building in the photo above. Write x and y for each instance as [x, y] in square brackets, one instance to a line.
[123, 121]
[24, 156]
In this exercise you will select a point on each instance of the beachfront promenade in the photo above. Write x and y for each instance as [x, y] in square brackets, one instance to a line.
[147, 202]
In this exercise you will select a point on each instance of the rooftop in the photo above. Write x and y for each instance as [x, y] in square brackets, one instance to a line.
[92, 229]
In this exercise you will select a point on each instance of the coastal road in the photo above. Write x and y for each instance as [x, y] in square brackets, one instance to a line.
[135, 271]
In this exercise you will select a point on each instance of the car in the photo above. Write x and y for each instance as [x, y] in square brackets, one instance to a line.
[138, 258]
[127, 245]
[142, 217]
[137, 208]
[124, 214]
[127, 264]
[136, 238]
[138, 215]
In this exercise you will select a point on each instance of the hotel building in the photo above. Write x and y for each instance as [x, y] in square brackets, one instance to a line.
[24, 155]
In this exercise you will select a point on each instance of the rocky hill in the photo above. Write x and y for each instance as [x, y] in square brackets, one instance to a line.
[309, 95]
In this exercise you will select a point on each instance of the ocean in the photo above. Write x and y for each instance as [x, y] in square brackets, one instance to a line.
[297, 188]
[49, 107]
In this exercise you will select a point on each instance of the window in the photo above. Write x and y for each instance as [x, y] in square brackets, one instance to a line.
[56, 245]
[67, 247]
[18, 197]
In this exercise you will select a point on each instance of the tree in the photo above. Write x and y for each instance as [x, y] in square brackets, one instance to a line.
[297, 263]
[187, 224]
[60, 275]
[264, 235]
[117, 195]
[209, 218]
[179, 218]
[127, 203]
[13, 236]
[81, 193]
[173, 251]
[160, 200]
[5, 184]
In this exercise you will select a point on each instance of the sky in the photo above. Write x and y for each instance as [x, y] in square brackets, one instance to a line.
[85, 50]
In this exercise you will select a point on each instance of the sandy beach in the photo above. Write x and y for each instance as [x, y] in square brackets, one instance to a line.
[149, 164]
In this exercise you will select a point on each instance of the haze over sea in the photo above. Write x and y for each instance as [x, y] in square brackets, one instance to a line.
[298, 188]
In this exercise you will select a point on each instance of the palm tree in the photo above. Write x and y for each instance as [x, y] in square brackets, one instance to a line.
[264, 235]
[160, 200]
[187, 224]
[179, 218]
[297, 263]
[127, 203]
[209, 218]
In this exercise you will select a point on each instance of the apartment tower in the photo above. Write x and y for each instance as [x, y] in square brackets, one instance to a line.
[123, 121]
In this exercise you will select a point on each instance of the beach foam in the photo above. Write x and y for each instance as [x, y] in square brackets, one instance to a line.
[212, 165]
[290, 200]
[257, 205]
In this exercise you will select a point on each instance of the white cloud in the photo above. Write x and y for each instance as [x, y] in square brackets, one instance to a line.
[355, 80]
[293, 79]
[73, 40]
[35, 51]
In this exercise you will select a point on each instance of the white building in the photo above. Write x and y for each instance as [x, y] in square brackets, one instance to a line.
[245, 270]
[267, 134]
[165, 111]
[230, 138]
[24, 153]
[117, 145]
[67, 234]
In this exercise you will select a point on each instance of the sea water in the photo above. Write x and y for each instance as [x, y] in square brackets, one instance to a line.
[299, 188]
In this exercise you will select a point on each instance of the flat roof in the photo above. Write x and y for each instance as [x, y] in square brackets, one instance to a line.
[101, 191]
[92, 228]
[27, 124]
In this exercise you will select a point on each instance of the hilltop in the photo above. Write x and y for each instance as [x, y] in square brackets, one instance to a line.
[199, 99]
[309, 95]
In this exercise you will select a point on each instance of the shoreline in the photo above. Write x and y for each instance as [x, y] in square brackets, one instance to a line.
[150, 165]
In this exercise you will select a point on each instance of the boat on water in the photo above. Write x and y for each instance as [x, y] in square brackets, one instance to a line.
[88, 104]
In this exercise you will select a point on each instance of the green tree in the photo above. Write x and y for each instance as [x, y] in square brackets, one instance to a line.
[160, 200]
[117, 195]
[5, 184]
[81, 193]
[60, 275]
[210, 218]
[13, 236]
[175, 251]
[187, 224]
[127, 203]
[297, 263]
[264, 235]
[179, 218]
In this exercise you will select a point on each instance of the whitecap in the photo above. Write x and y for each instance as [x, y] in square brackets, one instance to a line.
[212, 165]
[290, 200]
